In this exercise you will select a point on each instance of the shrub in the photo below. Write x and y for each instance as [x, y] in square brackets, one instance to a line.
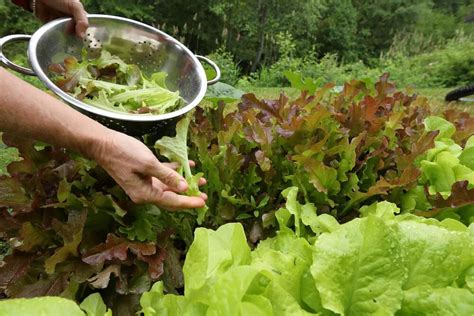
[225, 61]
[447, 66]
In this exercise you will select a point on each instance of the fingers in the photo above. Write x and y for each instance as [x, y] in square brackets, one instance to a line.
[175, 166]
[151, 190]
[172, 165]
[168, 176]
[172, 201]
[77, 11]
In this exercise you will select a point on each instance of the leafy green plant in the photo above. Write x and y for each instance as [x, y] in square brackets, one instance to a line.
[54, 306]
[292, 172]
[341, 150]
[444, 64]
[71, 230]
[176, 149]
[93, 305]
[107, 82]
[7, 156]
[377, 264]
[225, 61]
[449, 65]
[16, 20]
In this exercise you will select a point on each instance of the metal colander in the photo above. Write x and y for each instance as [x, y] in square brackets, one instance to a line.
[136, 43]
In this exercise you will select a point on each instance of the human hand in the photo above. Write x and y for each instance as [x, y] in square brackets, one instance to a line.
[134, 167]
[47, 10]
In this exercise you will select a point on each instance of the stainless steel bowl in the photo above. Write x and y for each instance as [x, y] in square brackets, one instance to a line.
[151, 49]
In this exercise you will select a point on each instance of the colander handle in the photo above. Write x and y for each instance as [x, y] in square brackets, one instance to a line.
[214, 66]
[8, 63]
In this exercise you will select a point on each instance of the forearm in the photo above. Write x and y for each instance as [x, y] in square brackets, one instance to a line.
[29, 112]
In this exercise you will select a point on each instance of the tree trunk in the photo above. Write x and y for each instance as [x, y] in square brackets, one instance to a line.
[262, 18]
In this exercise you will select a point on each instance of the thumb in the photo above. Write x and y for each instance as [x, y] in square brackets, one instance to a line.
[168, 176]
[77, 11]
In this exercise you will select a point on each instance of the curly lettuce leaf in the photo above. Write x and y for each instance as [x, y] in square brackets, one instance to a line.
[176, 149]
[382, 209]
[155, 302]
[7, 156]
[467, 156]
[93, 305]
[304, 215]
[284, 260]
[447, 163]
[109, 83]
[435, 123]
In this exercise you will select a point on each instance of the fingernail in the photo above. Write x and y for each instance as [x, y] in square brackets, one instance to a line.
[183, 185]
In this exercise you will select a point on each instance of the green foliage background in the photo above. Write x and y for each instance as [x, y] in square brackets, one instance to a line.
[425, 43]
[258, 43]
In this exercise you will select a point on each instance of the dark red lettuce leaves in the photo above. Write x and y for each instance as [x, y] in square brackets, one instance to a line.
[70, 230]
[342, 150]
[460, 196]
[66, 222]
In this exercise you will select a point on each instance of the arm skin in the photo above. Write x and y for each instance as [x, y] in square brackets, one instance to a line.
[31, 113]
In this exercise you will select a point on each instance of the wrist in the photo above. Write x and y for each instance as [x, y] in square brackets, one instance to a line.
[95, 143]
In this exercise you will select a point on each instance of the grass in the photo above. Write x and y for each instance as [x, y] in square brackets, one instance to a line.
[435, 95]
[273, 93]
[436, 98]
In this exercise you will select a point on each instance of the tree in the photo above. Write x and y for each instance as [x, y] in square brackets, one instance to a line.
[250, 27]
[15, 20]
[379, 21]
[337, 30]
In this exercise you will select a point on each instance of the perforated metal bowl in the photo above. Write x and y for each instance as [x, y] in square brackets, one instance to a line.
[137, 43]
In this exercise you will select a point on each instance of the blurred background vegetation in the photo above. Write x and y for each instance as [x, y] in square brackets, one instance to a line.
[422, 43]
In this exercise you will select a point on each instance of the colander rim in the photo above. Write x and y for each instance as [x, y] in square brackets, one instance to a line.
[33, 58]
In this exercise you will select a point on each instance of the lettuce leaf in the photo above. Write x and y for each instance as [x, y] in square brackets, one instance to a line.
[50, 306]
[176, 149]
[111, 84]
[93, 305]
[435, 123]
[425, 300]
[434, 254]
[213, 253]
[379, 264]
[447, 163]
[284, 259]
[357, 269]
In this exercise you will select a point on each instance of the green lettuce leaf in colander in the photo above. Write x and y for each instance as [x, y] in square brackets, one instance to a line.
[107, 82]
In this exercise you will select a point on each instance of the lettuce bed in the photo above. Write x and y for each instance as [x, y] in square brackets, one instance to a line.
[353, 202]
[376, 265]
